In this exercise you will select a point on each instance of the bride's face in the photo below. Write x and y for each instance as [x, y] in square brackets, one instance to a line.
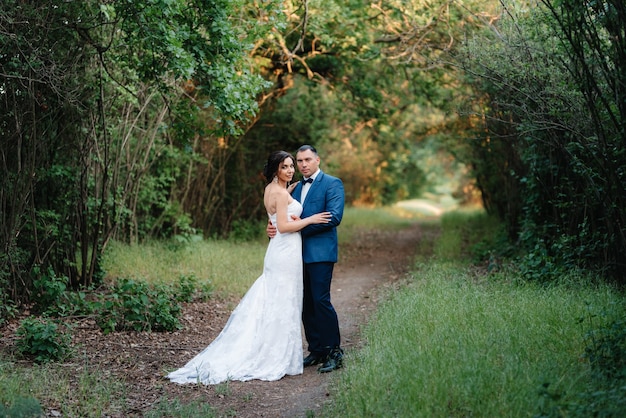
[286, 170]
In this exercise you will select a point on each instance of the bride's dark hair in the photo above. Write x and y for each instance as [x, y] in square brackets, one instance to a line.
[273, 161]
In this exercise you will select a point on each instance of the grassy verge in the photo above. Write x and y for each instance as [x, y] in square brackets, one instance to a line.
[230, 267]
[454, 343]
[448, 346]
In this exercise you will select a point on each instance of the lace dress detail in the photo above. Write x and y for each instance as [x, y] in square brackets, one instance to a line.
[262, 338]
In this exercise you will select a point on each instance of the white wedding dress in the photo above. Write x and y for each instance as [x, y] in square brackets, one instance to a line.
[262, 338]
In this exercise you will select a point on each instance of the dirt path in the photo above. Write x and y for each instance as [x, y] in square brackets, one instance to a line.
[369, 264]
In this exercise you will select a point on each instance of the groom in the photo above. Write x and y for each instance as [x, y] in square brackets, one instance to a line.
[319, 192]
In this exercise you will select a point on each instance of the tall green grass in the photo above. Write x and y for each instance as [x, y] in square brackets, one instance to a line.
[388, 218]
[229, 266]
[466, 234]
[448, 346]
[454, 342]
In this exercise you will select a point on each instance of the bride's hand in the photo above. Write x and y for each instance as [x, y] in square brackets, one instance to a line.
[321, 218]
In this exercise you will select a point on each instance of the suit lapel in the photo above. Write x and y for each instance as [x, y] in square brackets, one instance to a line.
[297, 192]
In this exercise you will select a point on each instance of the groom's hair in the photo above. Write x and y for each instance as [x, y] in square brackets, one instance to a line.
[307, 148]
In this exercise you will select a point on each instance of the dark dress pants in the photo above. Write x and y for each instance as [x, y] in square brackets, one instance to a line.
[321, 326]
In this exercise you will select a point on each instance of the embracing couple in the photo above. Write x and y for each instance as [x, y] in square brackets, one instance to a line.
[262, 338]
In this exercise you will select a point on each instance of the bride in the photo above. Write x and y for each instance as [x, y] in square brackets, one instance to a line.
[262, 338]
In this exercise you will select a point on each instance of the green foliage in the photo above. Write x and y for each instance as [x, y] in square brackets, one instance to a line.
[93, 113]
[48, 289]
[243, 230]
[186, 41]
[366, 102]
[605, 392]
[131, 120]
[53, 298]
[134, 305]
[548, 153]
[8, 307]
[22, 407]
[186, 288]
[189, 289]
[606, 348]
[42, 339]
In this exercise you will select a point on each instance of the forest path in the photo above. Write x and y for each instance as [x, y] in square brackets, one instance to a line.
[372, 262]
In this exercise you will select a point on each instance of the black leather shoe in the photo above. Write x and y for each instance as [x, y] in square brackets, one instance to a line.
[312, 360]
[333, 362]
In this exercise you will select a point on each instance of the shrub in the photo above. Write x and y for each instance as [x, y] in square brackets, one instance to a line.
[189, 288]
[186, 288]
[41, 339]
[22, 408]
[48, 289]
[52, 298]
[136, 306]
[8, 309]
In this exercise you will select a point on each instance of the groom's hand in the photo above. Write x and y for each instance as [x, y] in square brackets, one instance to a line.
[270, 230]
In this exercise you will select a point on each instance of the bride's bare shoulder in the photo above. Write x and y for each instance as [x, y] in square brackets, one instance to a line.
[276, 193]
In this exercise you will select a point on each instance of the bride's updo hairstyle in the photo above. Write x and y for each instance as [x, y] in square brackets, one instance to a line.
[274, 160]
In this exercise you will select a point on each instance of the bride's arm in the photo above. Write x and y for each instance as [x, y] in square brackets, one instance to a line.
[282, 217]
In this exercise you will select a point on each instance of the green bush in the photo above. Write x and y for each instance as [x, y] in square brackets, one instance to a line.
[52, 297]
[548, 157]
[189, 288]
[48, 289]
[42, 339]
[8, 309]
[135, 306]
[186, 288]
[22, 408]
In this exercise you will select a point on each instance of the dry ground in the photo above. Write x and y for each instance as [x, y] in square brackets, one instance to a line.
[373, 261]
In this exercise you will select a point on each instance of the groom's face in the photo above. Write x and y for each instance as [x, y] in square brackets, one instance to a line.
[308, 162]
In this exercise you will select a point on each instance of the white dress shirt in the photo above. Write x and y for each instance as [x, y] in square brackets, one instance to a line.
[306, 187]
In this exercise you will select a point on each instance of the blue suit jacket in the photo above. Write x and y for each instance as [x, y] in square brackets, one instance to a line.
[319, 241]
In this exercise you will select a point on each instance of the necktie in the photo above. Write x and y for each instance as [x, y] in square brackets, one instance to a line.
[305, 181]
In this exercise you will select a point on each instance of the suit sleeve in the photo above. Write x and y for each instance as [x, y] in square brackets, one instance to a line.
[334, 201]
